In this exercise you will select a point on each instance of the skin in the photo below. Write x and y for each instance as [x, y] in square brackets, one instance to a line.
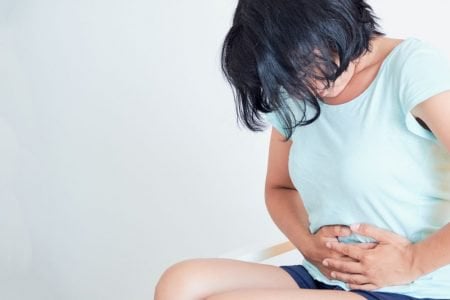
[359, 74]
[223, 278]
[366, 272]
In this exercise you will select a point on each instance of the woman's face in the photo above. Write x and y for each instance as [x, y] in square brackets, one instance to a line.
[338, 85]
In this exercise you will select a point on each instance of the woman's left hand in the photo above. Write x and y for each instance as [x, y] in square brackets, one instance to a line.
[390, 262]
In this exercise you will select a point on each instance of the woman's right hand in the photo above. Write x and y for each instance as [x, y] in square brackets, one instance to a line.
[315, 251]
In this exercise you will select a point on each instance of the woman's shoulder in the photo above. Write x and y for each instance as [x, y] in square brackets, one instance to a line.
[414, 51]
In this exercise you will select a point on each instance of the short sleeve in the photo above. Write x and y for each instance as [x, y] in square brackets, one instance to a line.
[274, 120]
[424, 73]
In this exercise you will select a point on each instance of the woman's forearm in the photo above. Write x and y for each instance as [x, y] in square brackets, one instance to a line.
[286, 209]
[433, 252]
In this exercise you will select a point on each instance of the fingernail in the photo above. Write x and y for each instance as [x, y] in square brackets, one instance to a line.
[354, 226]
[325, 262]
[328, 244]
[333, 274]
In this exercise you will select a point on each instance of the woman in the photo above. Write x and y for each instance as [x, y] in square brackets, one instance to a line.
[361, 135]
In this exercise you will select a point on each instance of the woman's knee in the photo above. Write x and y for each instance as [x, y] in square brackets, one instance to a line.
[181, 281]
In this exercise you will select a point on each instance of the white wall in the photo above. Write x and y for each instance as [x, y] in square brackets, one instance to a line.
[119, 151]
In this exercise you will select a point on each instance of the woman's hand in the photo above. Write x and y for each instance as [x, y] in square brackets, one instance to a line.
[390, 262]
[316, 251]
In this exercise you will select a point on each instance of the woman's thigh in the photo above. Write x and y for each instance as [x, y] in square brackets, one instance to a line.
[196, 279]
[286, 294]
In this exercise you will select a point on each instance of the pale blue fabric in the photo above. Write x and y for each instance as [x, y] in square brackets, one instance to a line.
[368, 160]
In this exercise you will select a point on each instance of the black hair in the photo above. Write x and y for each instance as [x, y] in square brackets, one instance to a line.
[270, 52]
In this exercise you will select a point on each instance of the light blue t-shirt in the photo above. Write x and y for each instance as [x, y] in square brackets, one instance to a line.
[369, 161]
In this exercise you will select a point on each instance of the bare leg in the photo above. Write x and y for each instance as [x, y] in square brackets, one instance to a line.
[285, 294]
[196, 279]
[221, 278]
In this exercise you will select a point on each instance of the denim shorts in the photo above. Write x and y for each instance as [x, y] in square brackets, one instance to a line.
[305, 281]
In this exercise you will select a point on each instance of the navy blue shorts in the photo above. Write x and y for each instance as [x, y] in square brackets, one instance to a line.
[305, 281]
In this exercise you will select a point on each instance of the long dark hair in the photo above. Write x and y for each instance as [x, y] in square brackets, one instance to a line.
[270, 53]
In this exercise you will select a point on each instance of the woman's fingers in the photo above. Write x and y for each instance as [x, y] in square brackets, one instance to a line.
[356, 278]
[377, 233]
[366, 245]
[335, 230]
[346, 258]
[344, 266]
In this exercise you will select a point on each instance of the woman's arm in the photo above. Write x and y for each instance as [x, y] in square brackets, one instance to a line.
[394, 261]
[282, 199]
[288, 213]
[284, 202]
[433, 252]
[286, 209]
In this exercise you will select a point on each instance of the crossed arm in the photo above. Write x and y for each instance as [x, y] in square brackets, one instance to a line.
[406, 261]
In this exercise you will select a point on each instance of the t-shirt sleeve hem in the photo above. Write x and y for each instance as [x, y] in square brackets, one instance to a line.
[411, 122]
[272, 118]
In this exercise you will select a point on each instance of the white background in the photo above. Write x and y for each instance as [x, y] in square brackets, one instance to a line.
[119, 148]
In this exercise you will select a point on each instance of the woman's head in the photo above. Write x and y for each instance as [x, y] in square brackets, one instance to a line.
[338, 85]
[298, 47]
